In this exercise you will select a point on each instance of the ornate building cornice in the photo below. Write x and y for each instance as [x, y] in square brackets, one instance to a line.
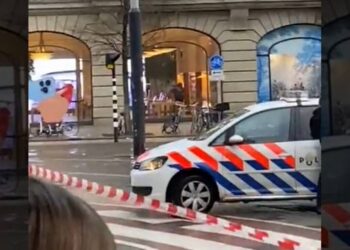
[47, 7]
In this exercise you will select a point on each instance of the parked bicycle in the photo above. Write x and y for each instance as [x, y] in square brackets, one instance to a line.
[204, 118]
[68, 129]
[171, 125]
[121, 124]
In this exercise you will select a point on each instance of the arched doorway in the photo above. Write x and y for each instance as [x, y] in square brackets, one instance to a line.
[289, 58]
[178, 56]
[67, 60]
[335, 87]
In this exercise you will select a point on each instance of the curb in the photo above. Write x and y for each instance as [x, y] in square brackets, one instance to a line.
[282, 241]
[122, 138]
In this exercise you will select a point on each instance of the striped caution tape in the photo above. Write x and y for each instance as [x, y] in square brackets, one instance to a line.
[336, 226]
[283, 241]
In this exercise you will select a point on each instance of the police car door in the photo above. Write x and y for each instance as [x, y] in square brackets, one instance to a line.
[260, 165]
[308, 151]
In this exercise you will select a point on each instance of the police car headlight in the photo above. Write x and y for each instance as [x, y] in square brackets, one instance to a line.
[153, 164]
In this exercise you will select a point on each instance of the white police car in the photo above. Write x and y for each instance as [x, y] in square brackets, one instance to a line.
[263, 152]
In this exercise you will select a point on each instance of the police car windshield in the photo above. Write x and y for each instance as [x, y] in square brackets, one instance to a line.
[206, 134]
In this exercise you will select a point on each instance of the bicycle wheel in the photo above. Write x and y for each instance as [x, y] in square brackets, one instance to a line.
[121, 126]
[70, 129]
[168, 126]
[200, 123]
[194, 125]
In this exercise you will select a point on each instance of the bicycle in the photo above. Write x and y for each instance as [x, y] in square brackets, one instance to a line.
[194, 122]
[171, 125]
[205, 118]
[68, 129]
[121, 124]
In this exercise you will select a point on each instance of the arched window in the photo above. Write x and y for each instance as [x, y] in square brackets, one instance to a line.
[289, 58]
[68, 61]
[178, 56]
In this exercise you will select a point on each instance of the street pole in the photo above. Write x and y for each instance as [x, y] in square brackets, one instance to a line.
[138, 105]
[115, 106]
[110, 64]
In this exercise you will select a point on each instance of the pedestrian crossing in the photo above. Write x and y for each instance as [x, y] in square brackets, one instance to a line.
[135, 229]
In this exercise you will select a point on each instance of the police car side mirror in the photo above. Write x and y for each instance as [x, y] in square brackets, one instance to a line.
[235, 139]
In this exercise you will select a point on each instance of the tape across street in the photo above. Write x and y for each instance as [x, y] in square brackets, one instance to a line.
[282, 241]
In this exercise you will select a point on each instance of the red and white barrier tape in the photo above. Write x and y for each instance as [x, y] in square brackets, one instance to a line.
[283, 241]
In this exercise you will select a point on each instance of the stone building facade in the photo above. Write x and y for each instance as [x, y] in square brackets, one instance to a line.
[236, 26]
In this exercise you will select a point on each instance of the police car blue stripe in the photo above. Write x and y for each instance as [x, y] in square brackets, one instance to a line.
[280, 183]
[176, 166]
[221, 179]
[256, 165]
[230, 166]
[304, 181]
[343, 235]
[253, 183]
[281, 163]
[297, 176]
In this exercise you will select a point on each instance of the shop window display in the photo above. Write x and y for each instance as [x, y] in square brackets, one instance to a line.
[288, 59]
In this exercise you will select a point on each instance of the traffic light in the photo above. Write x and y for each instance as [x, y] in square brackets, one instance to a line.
[111, 58]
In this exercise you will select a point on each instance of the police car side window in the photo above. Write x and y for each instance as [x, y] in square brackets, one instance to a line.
[267, 126]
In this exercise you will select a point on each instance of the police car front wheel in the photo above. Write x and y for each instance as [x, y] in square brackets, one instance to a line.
[194, 192]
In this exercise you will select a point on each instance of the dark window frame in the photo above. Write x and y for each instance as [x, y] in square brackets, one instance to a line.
[298, 121]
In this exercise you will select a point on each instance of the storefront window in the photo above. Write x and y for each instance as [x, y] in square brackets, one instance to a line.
[176, 69]
[289, 59]
[60, 77]
[63, 73]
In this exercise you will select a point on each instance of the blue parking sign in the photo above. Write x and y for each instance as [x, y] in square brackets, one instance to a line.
[216, 62]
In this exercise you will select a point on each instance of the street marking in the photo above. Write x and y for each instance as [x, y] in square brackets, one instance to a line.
[218, 230]
[172, 239]
[70, 142]
[87, 160]
[110, 204]
[98, 174]
[134, 217]
[273, 222]
[127, 243]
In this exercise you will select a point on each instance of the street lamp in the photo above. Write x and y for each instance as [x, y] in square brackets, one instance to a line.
[138, 105]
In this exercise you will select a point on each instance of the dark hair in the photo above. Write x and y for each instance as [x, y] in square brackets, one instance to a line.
[60, 221]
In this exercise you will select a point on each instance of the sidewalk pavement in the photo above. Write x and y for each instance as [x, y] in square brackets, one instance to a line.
[103, 130]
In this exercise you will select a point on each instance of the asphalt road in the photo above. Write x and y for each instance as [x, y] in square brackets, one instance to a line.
[134, 228]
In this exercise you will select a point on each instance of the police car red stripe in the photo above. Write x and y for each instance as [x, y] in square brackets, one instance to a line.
[290, 160]
[180, 159]
[262, 160]
[206, 158]
[233, 158]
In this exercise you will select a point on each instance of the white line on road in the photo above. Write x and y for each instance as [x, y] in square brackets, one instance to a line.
[134, 217]
[219, 230]
[110, 204]
[272, 222]
[98, 174]
[127, 243]
[90, 160]
[172, 239]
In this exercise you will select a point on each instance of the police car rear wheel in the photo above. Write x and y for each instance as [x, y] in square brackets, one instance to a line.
[194, 192]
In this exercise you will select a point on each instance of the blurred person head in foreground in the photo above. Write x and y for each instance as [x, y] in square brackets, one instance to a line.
[60, 221]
